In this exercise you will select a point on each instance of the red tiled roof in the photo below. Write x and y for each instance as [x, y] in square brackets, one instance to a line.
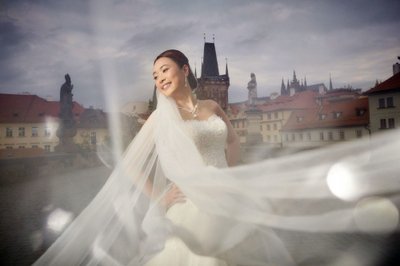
[19, 108]
[392, 83]
[349, 115]
[92, 118]
[301, 100]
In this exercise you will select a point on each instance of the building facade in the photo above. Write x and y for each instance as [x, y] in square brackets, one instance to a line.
[31, 122]
[384, 105]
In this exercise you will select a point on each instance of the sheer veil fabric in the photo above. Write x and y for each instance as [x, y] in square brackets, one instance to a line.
[243, 209]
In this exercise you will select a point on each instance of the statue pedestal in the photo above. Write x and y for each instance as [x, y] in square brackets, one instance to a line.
[254, 117]
[65, 133]
[254, 141]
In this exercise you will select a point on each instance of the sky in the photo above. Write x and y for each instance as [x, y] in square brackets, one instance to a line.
[108, 47]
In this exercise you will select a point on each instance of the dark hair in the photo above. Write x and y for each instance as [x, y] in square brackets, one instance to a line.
[180, 59]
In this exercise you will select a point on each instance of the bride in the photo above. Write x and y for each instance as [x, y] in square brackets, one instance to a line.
[173, 200]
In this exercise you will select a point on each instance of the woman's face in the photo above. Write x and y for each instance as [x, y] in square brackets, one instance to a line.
[168, 76]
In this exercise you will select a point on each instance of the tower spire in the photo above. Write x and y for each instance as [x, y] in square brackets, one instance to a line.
[226, 67]
[204, 36]
[305, 82]
[294, 76]
[330, 82]
[283, 88]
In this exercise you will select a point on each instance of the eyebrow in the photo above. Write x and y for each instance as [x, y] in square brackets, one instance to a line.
[160, 68]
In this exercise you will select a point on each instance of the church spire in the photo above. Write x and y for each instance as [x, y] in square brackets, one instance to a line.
[294, 76]
[330, 82]
[305, 82]
[283, 89]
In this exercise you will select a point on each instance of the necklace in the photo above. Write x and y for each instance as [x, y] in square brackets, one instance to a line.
[193, 111]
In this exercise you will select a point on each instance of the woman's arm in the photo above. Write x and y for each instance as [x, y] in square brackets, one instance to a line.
[233, 142]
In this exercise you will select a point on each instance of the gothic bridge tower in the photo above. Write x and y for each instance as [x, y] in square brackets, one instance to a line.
[212, 85]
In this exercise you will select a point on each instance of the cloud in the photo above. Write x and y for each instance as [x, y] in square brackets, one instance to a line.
[355, 41]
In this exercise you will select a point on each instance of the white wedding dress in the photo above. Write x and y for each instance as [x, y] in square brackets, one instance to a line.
[210, 137]
[233, 215]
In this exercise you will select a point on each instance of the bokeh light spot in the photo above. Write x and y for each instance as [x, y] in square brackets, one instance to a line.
[58, 220]
[341, 182]
[376, 215]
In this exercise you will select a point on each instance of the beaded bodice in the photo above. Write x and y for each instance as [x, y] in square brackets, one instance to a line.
[210, 138]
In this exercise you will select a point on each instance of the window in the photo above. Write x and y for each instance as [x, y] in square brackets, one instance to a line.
[268, 127]
[358, 133]
[287, 137]
[9, 147]
[93, 139]
[301, 136]
[275, 138]
[47, 148]
[9, 132]
[47, 132]
[299, 119]
[322, 116]
[383, 124]
[330, 135]
[309, 135]
[275, 127]
[391, 123]
[21, 132]
[269, 138]
[21, 147]
[293, 137]
[337, 114]
[381, 103]
[341, 135]
[269, 115]
[276, 115]
[35, 146]
[389, 102]
[321, 135]
[360, 111]
[34, 132]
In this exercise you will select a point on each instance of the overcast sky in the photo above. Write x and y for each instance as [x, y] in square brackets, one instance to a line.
[109, 46]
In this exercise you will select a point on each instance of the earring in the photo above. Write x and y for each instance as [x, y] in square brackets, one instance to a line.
[194, 93]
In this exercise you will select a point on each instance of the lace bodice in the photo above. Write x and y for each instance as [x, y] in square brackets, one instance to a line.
[210, 138]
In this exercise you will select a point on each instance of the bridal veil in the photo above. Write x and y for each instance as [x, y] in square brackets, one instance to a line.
[250, 214]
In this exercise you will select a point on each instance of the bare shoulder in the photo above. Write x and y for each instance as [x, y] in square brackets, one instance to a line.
[211, 105]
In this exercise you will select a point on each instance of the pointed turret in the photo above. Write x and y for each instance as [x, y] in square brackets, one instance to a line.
[330, 82]
[283, 88]
[226, 67]
[294, 77]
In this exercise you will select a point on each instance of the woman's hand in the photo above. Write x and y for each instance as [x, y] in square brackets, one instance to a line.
[172, 196]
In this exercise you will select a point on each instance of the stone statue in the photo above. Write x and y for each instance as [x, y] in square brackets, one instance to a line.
[67, 127]
[252, 87]
[66, 98]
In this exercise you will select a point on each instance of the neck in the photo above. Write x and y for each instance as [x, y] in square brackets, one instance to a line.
[184, 98]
